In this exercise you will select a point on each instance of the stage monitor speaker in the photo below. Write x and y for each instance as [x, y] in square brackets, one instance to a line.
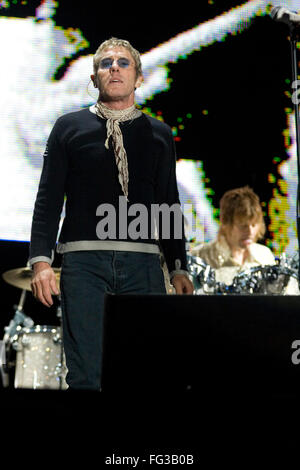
[211, 344]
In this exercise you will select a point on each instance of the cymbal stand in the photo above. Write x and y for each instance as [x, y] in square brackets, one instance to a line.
[11, 336]
[19, 319]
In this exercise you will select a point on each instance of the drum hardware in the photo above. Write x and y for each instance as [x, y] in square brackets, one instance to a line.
[267, 279]
[202, 273]
[11, 331]
[293, 261]
[11, 336]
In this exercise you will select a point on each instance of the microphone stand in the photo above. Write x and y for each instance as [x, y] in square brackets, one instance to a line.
[294, 38]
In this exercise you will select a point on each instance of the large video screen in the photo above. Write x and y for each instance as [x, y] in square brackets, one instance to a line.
[219, 75]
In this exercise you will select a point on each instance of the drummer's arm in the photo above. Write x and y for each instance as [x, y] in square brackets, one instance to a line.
[43, 283]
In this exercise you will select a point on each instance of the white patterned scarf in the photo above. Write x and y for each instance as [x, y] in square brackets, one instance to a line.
[113, 130]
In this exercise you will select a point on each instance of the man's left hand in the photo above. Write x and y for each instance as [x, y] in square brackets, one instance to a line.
[182, 284]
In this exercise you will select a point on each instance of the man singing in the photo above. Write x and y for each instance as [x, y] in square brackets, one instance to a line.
[94, 157]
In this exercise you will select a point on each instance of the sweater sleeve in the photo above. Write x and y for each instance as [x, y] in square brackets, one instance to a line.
[171, 222]
[49, 200]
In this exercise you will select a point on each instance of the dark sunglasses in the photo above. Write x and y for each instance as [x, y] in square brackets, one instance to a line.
[107, 63]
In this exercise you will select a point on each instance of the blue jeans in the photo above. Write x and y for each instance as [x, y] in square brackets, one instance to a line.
[86, 277]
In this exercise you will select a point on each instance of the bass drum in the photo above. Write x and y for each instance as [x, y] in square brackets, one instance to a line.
[40, 359]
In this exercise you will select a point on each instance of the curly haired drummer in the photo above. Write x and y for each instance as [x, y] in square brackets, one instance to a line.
[236, 249]
[241, 226]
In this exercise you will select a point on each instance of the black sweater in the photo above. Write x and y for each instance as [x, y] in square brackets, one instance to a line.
[79, 167]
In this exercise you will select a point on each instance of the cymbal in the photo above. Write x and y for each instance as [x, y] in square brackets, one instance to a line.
[21, 277]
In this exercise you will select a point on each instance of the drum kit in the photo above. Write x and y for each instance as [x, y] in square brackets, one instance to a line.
[31, 356]
[278, 279]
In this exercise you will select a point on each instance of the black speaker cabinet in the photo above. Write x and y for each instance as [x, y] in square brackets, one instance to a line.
[208, 344]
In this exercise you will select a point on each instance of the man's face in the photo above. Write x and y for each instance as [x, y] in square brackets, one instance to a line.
[116, 77]
[242, 233]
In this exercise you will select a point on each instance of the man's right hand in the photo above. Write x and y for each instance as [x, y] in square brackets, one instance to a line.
[43, 283]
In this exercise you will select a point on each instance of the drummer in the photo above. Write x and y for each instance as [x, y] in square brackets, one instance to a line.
[241, 225]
